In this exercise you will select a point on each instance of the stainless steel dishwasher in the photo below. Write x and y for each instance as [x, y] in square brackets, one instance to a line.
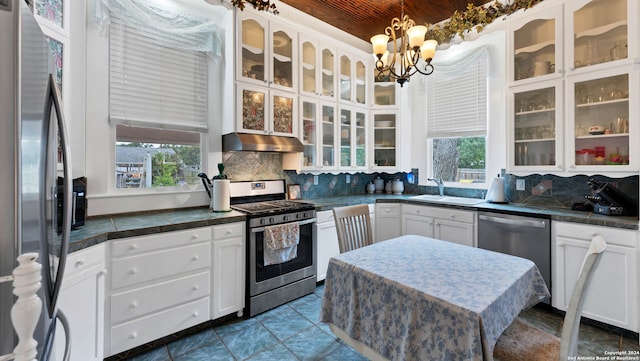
[525, 237]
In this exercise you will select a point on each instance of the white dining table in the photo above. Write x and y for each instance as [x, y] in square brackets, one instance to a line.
[418, 298]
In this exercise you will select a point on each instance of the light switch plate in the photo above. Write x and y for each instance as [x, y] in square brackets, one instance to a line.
[519, 184]
[315, 180]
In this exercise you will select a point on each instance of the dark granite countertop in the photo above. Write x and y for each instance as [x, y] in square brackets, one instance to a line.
[556, 214]
[100, 229]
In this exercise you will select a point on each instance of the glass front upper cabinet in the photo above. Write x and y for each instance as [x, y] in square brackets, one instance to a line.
[600, 31]
[602, 125]
[384, 139]
[352, 138]
[317, 70]
[267, 53]
[537, 44]
[309, 134]
[536, 127]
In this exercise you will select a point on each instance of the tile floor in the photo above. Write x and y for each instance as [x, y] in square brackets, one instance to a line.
[293, 332]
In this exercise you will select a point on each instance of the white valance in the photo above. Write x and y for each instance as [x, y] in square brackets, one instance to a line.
[171, 26]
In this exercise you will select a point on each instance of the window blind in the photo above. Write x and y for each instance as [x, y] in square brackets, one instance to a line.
[152, 85]
[457, 102]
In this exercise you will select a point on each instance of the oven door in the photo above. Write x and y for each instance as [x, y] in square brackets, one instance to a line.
[265, 278]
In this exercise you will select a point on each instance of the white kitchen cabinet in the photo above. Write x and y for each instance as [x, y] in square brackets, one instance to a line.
[387, 224]
[589, 48]
[352, 139]
[82, 300]
[447, 224]
[267, 52]
[535, 126]
[266, 111]
[385, 140]
[417, 220]
[536, 43]
[318, 134]
[158, 284]
[603, 99]
[613, 293]
[601, 34]
[228, 269]
[327, 239]
[318, 64]
[352, 78]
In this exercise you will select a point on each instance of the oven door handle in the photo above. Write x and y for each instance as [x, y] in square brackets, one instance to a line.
[302, 223]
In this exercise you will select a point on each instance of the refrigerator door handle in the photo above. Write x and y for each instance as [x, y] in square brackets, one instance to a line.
[53, 99]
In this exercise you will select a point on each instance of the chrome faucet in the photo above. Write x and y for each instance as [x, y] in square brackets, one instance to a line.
[438, 181]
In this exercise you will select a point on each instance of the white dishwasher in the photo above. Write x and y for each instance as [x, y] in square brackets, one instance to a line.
[525, 237]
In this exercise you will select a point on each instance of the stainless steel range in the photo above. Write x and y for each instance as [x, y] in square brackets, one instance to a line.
[281, 244]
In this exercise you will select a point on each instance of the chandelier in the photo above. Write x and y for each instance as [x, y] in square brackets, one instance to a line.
[411, 52]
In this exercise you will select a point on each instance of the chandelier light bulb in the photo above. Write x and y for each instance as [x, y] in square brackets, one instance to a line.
[416, 36]
[428, 50]
[379, 43]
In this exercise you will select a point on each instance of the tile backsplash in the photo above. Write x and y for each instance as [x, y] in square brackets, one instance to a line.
[541, 190]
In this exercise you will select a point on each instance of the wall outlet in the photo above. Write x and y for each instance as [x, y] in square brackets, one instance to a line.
[519, 184]
[315, 180]
[348, 178]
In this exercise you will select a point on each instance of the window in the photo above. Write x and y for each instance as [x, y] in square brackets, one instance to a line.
[158, 105]
[457, 119]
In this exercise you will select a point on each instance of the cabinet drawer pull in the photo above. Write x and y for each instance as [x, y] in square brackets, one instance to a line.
[195, 236]
[134, 304]
[79, 263]
[229, 231]
[133, 247]
[195, 287]
[133, 271]
[195, 257]
[133, 335]
[194, 314]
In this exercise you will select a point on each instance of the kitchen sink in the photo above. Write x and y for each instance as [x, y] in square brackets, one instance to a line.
[432, 198]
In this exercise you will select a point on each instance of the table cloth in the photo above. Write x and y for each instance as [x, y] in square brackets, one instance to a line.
[418, 298]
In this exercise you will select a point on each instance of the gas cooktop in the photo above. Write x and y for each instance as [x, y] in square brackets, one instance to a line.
[275, 206]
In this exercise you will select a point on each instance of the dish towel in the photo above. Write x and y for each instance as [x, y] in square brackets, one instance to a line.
[281, 243]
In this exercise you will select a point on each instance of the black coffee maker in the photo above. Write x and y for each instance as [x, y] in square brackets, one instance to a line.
[609, 200]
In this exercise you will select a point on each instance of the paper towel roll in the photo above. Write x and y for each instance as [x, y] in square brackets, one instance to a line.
[495, 193]
[220, 195]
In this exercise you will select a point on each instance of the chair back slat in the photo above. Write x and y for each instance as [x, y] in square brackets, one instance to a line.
[353, 226]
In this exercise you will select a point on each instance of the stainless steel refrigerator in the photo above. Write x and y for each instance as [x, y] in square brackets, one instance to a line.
[33, 155]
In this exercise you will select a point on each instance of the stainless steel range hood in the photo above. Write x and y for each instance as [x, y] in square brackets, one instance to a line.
[260, 143]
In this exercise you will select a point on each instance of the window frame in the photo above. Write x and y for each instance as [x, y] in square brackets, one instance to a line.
[202, 128]
[495, 137]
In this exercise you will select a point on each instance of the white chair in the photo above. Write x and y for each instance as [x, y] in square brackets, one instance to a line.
[522, 341]
[354, 227]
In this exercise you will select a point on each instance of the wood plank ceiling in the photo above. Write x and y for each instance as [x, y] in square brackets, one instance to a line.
[365, 18]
